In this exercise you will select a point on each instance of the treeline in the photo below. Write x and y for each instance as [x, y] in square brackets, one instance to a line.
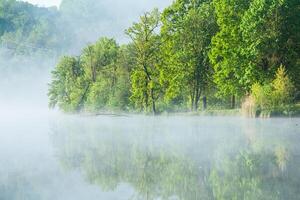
[196, 53]
[27, 29]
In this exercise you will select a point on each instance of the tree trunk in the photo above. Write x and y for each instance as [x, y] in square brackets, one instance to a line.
[192, 102]
[146, 101]
[204, 103]
[153, 102]
[198, 95]
[81, 101]
[233, 102]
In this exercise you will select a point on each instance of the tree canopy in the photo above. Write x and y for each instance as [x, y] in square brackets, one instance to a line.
[209, 50]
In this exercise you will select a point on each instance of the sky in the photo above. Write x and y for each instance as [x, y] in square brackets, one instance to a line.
[115, 16]
[45, 2]
[57, 2]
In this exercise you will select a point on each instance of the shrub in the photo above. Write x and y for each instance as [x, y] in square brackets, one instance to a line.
[283, 88]
[275, 97]
[249, 107]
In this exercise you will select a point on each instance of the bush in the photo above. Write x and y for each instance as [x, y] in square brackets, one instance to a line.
[273, 98]
[249, 107]
[283, 88]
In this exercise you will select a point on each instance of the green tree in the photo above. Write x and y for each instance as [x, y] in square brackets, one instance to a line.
[25, 28]
[100, 65]
[65, 89]
[269, 36]
[255, 38]
[225, 54]
[144, 77]
[276, 96]
[188, 27]
[125, 63]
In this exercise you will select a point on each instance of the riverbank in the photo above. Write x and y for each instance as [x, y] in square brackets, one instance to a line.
[294, 113]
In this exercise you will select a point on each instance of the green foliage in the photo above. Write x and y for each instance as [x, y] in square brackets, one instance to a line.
[187, 31]
[99, 60]
[66, 87]
[97, 80]
[225, 53]
[26, 28]
[276, 96]
[255, 37]
[144, 77]
[283, 88]
[218, 50]
[98, 96]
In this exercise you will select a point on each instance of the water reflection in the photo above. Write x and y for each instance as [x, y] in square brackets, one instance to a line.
[184, 158]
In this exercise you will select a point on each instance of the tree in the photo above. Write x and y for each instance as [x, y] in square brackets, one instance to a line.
[187, 31]
[125, 63]
[25, 28]
[255, 38]
[269, 30]
[65, 89]
[100, 65]
[92, 81]
[99, 57]
[275, 97]
[225, 54]
[144, 76]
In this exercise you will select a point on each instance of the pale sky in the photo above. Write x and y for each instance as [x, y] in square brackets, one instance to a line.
[45, 2]
[113, 19]
[57, 2]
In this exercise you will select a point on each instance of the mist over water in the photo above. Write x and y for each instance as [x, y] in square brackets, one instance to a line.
[47, 155]
[54, 156]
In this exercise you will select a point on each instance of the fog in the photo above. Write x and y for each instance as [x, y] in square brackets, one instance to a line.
[24, 78]
[45, 2]
[105, 17]
[48, 155]
[63, 157]
[24, 84]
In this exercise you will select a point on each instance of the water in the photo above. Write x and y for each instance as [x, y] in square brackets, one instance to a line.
[46, 156]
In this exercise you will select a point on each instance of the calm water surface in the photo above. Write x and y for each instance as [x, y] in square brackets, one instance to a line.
[56, 157]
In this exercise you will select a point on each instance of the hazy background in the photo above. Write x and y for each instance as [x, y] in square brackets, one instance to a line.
[45, 2]
[76, 23]
[107, 18]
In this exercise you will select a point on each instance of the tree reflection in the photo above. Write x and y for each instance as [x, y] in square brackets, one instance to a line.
[161, 165]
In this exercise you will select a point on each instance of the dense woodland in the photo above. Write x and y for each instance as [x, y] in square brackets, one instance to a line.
[26, 29]
[194, 55]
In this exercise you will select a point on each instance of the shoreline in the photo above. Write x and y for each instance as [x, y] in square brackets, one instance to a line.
[207, 113]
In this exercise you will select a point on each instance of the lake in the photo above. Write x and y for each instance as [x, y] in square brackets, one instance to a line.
[47, 156]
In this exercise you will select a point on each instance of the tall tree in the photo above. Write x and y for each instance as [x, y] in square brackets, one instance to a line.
[99, 62]
[66, 86]
[144, 77]
[255, 38]
[270, 31]
[99, 57]
[188, 27]
[225, 54]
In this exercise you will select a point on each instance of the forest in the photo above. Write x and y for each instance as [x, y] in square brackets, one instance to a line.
[192, 56]
[195, 55]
